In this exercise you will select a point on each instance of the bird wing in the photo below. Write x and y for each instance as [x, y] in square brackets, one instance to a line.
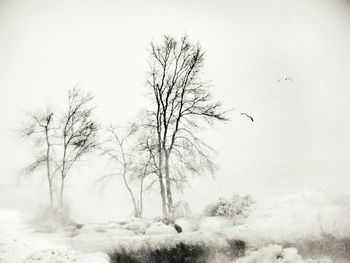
[245, 114]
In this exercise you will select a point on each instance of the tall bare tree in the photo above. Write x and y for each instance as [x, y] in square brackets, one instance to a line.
[121, 147]
[183, 104]
[77, 134]
[40, 129]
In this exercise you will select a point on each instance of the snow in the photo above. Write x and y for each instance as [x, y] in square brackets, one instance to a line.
[187, 225]
[215, 223]
[182, 209]
[277, 254]
[286, 220]
[136, 225]
[160, 230]
[303, 215]
[18, 245]
[65, 255]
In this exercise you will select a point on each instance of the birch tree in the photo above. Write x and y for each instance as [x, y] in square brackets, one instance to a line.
[40, 129]
[122, 149]
[77, 135]
[182, 106]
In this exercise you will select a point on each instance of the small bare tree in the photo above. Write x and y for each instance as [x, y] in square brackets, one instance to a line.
[129, 164]
[183, 104]
[41, 130]
[150, 146]
[77, 134]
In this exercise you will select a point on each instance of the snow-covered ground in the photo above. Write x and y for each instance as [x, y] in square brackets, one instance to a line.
[18, 245]
[303, 215]
[306, 215]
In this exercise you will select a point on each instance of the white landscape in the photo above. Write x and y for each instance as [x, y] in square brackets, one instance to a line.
[270, 229]
[163, 131]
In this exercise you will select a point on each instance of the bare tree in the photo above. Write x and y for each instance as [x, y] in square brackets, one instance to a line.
[122, 149]
[77, 134]
[40, 129]
[150, 146]
[183, 104]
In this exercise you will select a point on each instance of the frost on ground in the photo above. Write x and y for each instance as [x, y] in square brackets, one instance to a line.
[305, 215]
[278, 254]
[18, 246]
[64, 255]
[312, 224]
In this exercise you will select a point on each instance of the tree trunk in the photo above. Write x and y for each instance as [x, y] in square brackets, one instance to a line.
[61, 192]
[168, 186]
[48, 166]
[51, 194]
[49, 180]
[141, 197]
[63, 172]
[160, 176]
[163, 195]
[136, 210]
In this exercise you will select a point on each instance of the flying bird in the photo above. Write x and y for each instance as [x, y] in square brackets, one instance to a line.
[285, 79]
[250, 117]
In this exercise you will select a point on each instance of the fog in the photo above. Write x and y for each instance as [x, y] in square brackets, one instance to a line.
[299, 139]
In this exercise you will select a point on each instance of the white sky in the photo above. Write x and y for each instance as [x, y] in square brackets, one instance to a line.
[300, 139]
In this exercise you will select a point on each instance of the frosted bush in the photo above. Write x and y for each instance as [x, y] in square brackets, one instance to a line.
[237, 205]
[51, 219]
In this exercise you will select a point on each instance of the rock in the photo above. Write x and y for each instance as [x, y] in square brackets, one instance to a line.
[158, 223]
[101, 228]
[94, 228]
[88, 228]
[178, 228]
[121, 232]
[137, 225]
[160, 230]
[186, 225]
[113, 225]
[69, 228]
[79, 226]
[122, 222]
[215, 223]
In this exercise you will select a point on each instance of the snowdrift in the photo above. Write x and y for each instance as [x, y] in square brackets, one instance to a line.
[17, 245]
[306, 215]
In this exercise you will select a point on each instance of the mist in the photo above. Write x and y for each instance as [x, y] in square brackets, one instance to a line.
[298, 141]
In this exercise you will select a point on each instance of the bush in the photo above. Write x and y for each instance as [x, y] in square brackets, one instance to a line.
[237, 205]
[124, 256]
[50, 219]
[237, 248]
[180, 253]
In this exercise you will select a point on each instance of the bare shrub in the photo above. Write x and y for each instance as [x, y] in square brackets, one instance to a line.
[237, 205]
[50, 219]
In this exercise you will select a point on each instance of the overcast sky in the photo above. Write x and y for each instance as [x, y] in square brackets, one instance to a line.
[300, 138]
